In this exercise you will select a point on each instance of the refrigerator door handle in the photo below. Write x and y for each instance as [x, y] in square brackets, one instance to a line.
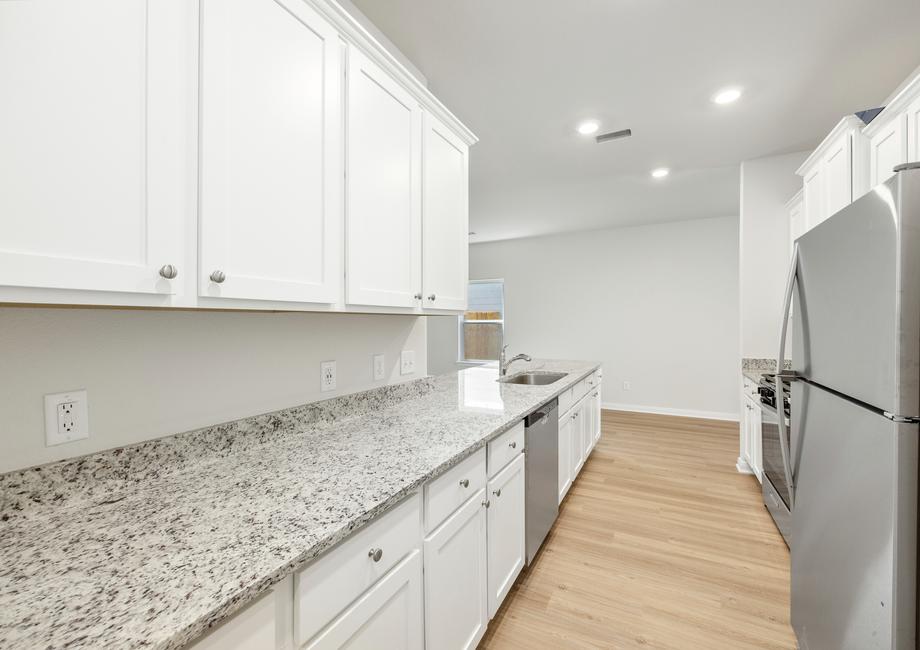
[780, 375]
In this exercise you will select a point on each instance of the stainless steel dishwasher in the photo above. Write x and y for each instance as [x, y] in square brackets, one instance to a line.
[541, 445]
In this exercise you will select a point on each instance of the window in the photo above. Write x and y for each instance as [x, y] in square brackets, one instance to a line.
[482, 326]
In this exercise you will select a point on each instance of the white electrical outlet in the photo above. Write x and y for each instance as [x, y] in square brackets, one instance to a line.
[327, 376]
[407, 362]
[380, 370]
[627, 385]
[66, 417]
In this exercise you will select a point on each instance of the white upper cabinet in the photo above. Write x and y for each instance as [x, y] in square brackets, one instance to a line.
[796, 211]
[887, 149]
[836, 173]
[913, 131]
[93, 126]
[445, 217]
[271, 152]
[383, 177]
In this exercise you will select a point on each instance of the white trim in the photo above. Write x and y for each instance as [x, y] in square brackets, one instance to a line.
[742, 466]
[798, 197]
[849, 124]
[894, 109]
[353, 31]
[663, 410]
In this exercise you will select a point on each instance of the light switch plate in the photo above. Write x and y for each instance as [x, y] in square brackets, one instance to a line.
[407, 362]
[66, 417]
[327, 376]
[380, 370]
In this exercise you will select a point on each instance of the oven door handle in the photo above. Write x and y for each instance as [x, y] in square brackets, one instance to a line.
[784, 438]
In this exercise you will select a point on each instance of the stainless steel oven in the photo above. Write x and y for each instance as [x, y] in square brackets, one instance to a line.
[774, 486]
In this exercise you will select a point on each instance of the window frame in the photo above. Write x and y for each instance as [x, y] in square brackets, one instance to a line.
[461, 321]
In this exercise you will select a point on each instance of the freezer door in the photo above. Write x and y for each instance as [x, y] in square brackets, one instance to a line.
[854, 525]
[856, 317]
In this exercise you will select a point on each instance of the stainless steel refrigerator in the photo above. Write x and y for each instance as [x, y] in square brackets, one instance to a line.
[854, 288]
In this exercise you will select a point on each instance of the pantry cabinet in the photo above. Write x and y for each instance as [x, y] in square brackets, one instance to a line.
[93, 126]
[271, 142]
[506, 533]
[247, 154]
[445, 217]
[383, 178]
[456, 587]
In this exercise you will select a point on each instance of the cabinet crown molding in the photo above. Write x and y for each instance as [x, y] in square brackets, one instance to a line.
[849, 124]
[894, 108]
[796, 198]
[358, 36]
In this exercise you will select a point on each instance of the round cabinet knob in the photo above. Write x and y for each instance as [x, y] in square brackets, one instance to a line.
[432, 297]
[465, 483]
[417, 296]
[169, 271]
[375, 554]
[218, 276]
[497, 492]
[513, 445]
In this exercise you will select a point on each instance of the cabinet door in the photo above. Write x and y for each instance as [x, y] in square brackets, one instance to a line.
[756, 444]
[913, 131]
[587, 414]
[389, 613]
[505, 531]
[578, 439]
[456, 602]
[565, 455]
[271, 152]
[813, 198]
[383, 219]
[94, 133]
[838, 175]
[445, 218]
[596, 405]
[887, 149]
[796, 225]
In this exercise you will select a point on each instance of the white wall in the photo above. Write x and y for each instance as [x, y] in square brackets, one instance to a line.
[766, 185]
[657, 304]
[155, 373]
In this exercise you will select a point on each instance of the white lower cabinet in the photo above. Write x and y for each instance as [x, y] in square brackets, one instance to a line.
[456, 603]
[506, 533]
[751, 427]
[388, 615]
[578, 438]
[565, 454]
[264, 624]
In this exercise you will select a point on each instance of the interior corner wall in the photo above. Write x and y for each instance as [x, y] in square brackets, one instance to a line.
[656, 304]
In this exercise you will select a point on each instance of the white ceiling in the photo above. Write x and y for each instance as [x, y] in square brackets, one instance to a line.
[523, 73]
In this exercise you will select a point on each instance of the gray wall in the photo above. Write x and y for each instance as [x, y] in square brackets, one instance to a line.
[155, 373]
[657, 304]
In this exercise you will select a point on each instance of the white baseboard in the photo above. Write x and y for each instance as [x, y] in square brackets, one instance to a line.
[742, 466]
[662, 410]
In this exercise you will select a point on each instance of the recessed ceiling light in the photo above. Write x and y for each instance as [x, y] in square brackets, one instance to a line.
[661, 172]
[727, 96]
[589, 127]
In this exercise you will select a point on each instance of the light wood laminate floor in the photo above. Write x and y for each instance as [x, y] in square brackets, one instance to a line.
[660, 543]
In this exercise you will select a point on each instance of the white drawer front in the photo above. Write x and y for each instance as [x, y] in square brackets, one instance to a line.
[326, 587]
[566, 400]
[449, 491]
[506, 448]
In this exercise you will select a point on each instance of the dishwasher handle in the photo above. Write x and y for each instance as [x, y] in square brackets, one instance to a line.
[542, 413]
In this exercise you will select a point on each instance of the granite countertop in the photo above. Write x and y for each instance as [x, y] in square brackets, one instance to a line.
[753, 368]
[148, 546]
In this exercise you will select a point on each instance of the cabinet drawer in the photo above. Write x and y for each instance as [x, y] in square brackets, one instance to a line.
[326, 587]
[448, 492]
[592, 381]
[506, 448]
[565, 401]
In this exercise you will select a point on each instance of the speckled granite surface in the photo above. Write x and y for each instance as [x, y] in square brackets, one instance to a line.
[148, 547]
[754, 368]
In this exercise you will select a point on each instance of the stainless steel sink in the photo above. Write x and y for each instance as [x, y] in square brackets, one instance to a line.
[533, 378]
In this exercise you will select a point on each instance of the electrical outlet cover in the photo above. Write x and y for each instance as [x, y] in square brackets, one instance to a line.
[327, 376]
[380, 370]
[66, 417]
[407, 362]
